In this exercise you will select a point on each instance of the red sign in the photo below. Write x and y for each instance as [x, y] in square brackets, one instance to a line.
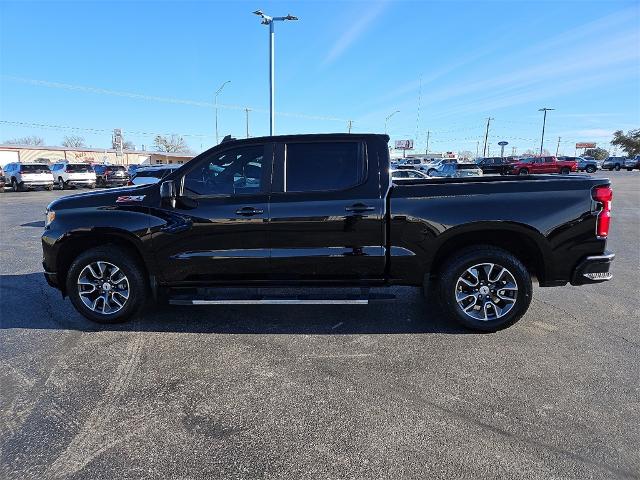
[585, 145]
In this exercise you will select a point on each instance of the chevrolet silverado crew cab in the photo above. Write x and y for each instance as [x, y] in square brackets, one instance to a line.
[322, 211]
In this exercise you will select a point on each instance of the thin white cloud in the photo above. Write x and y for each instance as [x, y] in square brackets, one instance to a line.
[356, 29]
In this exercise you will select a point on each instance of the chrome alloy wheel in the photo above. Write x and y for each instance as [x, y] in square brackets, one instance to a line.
[103, 287]
[486, 291]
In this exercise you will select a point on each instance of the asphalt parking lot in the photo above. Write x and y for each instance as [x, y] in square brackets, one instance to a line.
[387, 391]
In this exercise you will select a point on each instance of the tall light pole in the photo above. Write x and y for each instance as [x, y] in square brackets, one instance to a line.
[246, 111]
[387, 119]
[544, 122]
[215, 101]
[267, 20]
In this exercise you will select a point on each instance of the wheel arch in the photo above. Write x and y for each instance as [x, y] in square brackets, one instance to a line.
[522, 241]
[78, 242]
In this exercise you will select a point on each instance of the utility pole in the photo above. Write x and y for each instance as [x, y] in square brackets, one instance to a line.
[428, 135]
[246, 111]
[513, 151]
[558, 147]
[544, 122]
[267, 20]
[350, 125]
[486, 137]
[215, 101]
[477, 148]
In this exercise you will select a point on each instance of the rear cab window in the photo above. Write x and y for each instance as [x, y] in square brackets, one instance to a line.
[323, 166]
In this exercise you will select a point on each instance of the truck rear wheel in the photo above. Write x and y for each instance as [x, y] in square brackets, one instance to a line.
[106, 284]
[523, 171]
[590, 169]
[485, 288]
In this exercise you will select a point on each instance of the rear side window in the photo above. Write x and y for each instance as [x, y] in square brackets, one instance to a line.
[323, 166]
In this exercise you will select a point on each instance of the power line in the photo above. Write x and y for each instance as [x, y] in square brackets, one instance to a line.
[179, 101]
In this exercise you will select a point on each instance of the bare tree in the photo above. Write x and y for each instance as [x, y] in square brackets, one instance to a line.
[174, 144]
[126, 145]
[31, 140]
[73, 141]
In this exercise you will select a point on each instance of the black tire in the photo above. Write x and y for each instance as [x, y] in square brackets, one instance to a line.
[617, 168]
[590, 169]
[49, 187]
[523, 171]
[17, 187]
[138, 286]
[60, 183]
[454, 268]
[565, 171]
[629, 169]
[92, 186]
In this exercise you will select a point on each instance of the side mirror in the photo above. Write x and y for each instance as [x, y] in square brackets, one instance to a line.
[168, 193]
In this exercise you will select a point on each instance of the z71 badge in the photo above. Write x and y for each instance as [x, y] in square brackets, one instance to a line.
[130, 198]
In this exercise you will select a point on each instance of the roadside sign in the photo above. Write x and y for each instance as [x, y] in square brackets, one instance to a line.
[503, 143]
[404, 144]
[586, 145]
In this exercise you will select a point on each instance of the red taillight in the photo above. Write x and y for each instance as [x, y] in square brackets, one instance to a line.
[603, 195]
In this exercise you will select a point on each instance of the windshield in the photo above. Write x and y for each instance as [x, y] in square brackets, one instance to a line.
[467, 166]
[34, 169]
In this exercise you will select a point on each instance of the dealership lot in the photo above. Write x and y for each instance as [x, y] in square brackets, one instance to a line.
[386, 391]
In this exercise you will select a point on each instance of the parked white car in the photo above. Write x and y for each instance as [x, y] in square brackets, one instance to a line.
[22, 176]
[152, 174]
[73, 174]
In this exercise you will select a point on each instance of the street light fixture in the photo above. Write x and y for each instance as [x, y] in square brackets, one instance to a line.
[268, 20]
[544, 122]
[216, 104]
[387, 119]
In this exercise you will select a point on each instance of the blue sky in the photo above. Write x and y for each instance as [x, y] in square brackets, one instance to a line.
[153, 67]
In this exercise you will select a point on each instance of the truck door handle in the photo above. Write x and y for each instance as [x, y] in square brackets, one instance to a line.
[249, 211]
[359, 208]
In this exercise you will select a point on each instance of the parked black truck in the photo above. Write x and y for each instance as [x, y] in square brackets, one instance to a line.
[321, 211]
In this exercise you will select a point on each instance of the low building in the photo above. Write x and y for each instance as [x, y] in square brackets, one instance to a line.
[30, 153]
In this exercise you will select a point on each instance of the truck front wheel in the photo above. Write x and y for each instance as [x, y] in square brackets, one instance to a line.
[485, 288]
[106, 284]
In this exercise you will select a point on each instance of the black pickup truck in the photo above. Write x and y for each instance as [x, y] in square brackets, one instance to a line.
[322, 211]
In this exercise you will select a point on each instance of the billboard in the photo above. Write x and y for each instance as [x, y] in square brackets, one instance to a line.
[586, 145]
[404, 144]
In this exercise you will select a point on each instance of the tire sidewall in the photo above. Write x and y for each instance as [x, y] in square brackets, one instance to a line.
[473, 257]
[137, 283]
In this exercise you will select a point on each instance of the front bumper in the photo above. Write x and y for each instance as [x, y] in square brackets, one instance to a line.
[593, 269]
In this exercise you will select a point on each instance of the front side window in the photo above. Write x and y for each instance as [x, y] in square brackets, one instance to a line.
[323, 166]
[233, 172]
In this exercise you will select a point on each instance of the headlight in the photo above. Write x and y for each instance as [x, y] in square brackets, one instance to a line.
[51, 215]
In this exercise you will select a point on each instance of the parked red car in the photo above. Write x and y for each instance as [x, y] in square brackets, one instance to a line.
[526, 166]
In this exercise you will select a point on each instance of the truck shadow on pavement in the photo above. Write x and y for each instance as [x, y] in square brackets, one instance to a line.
[27, 301]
